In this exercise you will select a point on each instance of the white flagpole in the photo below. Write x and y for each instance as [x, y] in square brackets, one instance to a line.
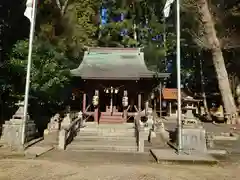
[179, 115]
[31, 36]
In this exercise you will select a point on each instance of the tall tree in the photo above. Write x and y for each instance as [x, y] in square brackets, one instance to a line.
[136, 23]
[210, 35]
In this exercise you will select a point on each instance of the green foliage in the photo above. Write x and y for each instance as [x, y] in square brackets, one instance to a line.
[81, 24]
[142, 26]
[154, 58]
[50, 71]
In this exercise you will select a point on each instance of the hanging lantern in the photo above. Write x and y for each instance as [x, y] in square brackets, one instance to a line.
[116, 91]
[238, 90]
[111, 89]
[152, 96]
[125, 101]
[95, 100]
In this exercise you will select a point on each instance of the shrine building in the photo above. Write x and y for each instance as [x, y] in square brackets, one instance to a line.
[114, 83]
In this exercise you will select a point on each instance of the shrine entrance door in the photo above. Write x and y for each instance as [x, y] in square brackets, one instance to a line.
[111, 101]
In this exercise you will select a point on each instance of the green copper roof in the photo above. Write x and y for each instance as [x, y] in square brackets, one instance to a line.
[114, 63]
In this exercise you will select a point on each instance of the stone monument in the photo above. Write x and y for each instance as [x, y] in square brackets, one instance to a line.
[193, 134]
[12, 129]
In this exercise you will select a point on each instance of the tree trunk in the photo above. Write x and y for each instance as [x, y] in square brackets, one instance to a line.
[208, 115]
[218, 60]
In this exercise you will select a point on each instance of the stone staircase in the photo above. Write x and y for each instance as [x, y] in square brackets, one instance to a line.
[107, 117]
[105, 137]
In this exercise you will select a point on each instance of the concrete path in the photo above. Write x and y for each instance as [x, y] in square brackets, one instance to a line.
[49, 142]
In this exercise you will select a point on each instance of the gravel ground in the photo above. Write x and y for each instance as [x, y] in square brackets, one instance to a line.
[35, 169]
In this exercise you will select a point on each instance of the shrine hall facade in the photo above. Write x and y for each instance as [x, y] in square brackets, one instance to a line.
[114, 83]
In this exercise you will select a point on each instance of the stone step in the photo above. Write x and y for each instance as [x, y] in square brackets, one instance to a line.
[115, 142]
[116, 126]
[107, 133]
[111, 121]
[97, 147]
[106, 130]
[113, 118]
[104, 138]
[110, 114]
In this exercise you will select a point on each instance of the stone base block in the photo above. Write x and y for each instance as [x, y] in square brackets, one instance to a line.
[168, 155]
[194, 139]
[12, 132]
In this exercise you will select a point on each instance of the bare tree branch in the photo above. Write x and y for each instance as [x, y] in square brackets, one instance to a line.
[58, 4]
[63, 7]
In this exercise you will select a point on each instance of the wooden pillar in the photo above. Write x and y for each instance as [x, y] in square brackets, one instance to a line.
[170, 108]
[139, 102]
[125, 94]
[84, 102]
[146, 107]
[155, 106]
[160, 100]
[96, 110]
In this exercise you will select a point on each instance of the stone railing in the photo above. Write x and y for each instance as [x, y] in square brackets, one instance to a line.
[140, 134]
[67, 134]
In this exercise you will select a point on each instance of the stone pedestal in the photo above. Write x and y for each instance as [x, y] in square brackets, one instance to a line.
[12, 132]
[193, 138]
[12, 129]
